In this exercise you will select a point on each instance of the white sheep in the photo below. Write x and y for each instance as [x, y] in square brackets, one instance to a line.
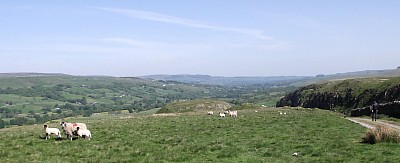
[233, 113]
[83, 133]
[221, 114]
[50, 131]
[210, 113]
[226, 112]
[70, 128]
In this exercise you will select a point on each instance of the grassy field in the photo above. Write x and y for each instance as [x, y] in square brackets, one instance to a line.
[265, 136]
[195, 105]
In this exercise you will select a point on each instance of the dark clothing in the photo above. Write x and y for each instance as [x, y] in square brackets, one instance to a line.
[374, 110]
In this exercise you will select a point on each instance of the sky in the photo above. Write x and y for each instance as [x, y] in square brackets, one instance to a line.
[210, 37]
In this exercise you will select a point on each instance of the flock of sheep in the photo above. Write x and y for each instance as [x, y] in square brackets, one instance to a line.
[70, 130]
[80, 129]
[233, 113]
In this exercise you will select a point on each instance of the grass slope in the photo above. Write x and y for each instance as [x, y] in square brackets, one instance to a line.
[203, 105]
[317, 135]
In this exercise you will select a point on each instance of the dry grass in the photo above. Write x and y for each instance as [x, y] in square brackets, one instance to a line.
[381, 134]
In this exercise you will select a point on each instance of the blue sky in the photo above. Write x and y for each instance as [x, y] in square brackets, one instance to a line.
[215, 37]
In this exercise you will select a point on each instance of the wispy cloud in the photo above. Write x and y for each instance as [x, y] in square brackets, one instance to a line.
[152, 16]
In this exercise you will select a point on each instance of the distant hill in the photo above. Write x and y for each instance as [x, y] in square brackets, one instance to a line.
[351, 75]
[242, 80]
[273, 80]
[30, 74]
[228, 81]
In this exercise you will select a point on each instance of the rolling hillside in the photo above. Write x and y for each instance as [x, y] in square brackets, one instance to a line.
[34, 99]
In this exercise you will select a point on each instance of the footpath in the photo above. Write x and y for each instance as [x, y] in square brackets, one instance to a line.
[373, 124]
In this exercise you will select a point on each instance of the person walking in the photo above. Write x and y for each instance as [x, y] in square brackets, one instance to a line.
[374, 110]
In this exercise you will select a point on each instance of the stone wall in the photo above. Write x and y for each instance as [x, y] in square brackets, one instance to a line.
[391, 109]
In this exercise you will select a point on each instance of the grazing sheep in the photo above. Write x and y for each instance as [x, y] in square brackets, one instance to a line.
[233, 113]
[50, 131]
[280, 113]
[284, 113]
[83, 133]
[226, 112]
[210, 113]
[70, 128]
[255, 111]
[221, 114]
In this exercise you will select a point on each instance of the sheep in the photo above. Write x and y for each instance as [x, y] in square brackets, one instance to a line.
[210, 113]
[221, 114]
[70, 128]
[226, 112]
[233, 113]
[50, 131]
[83, 133]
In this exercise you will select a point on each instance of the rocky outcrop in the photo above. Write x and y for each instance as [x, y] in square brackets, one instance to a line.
[344, 95]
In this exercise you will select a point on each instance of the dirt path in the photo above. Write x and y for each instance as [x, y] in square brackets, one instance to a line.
[373, 124]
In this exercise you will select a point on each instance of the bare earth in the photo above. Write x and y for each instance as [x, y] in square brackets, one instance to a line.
[373, 124]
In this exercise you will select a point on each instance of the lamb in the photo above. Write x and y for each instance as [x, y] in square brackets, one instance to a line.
[50, 131]
[71, 128]
[221, 114]
[83, 133]
[210, 113]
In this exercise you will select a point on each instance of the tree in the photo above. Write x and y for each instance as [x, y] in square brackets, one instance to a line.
[58, 111]
[130, 110]
[2, 123]
[31, 113]
[87, 113]
[9, 103]
[19, 121]
[84, 101]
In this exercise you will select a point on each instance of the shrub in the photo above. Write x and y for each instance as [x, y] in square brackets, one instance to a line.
[381, 134]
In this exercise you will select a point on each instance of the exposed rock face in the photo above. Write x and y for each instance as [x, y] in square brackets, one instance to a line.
[309, 98]
[347, 95]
